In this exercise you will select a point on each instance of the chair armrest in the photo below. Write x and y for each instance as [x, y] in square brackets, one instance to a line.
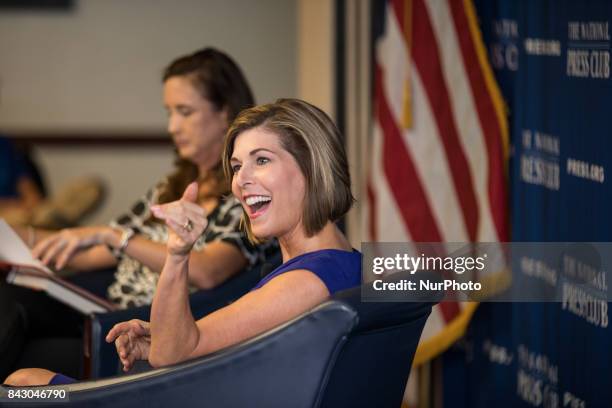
[101, 359]
[286, 366]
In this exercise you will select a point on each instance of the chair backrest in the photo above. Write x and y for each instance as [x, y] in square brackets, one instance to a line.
[284, 367]
[373, 366]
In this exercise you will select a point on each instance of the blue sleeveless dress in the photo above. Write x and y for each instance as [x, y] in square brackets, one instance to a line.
[337, 269]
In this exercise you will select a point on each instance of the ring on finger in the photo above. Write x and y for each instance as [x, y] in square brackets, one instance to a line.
[188, 226]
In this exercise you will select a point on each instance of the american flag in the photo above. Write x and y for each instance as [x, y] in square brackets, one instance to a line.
[439, 142]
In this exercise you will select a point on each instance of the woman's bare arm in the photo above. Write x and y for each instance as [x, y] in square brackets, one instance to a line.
[176, 337]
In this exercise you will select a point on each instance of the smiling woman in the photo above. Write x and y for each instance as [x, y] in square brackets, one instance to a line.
[295, 130]
[267, 180]
[289, 171]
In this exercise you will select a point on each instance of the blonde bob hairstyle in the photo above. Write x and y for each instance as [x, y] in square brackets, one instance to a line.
[313, 140]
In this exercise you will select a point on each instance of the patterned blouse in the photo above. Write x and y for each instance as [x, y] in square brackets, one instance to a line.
[135, 283]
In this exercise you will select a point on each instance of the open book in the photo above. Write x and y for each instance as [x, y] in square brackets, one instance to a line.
[25, 270]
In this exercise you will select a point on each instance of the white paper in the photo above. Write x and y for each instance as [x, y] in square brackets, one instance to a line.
[14, 251]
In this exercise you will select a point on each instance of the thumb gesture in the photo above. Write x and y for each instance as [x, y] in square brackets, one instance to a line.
[186, 221]
[190, 194]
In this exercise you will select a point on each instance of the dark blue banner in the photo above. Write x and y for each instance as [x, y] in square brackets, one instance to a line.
[552, 61]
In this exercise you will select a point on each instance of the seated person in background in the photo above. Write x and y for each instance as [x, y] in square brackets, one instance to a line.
[19, 192]
[289, 171]
[203, 92]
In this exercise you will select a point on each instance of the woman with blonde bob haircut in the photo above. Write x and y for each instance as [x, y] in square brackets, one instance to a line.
[289, 171]
[308, 134]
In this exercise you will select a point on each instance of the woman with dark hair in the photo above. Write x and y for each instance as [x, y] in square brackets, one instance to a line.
[289, 171]
[203, 92]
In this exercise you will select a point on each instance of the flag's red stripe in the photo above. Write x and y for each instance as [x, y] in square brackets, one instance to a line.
[426, 57]
[401, 174]
[488, 119]
[398, 9]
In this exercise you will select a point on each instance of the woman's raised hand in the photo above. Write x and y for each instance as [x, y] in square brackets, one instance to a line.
[132, 341]
[186, 221]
